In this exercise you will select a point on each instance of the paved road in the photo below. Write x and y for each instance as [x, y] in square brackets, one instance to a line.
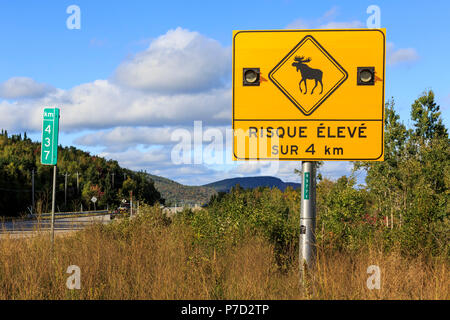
[31, 227]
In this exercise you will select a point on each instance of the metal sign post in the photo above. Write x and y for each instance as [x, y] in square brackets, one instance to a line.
[131, 204]
[53, 205]
[94, 200]
[32, 193]
[307, 248]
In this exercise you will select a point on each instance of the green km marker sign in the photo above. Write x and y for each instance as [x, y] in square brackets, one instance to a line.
[306, 183]
[50, 128]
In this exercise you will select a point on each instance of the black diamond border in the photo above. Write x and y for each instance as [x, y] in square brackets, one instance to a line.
[286, 58]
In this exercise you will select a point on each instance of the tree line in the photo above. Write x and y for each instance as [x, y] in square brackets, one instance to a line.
[87, 176]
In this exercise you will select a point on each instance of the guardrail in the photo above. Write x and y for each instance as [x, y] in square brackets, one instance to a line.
[76, 213]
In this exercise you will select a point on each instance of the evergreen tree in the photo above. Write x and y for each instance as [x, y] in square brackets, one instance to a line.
[427, 118]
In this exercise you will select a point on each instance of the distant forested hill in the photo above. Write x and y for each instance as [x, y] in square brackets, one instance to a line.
[96, 176]
[251, 182]
[177, 194]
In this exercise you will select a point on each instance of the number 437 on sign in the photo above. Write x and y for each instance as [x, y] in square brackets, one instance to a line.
[50, 128]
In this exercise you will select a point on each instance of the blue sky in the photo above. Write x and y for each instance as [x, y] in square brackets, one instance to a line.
[43, 62]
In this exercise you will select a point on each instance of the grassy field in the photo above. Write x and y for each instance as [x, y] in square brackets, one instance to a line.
[151, 257]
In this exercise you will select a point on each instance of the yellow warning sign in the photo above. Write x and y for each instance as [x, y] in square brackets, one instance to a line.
[308, 94]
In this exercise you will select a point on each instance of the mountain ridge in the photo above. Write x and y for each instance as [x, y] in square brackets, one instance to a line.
[178, 194]
[252, 182]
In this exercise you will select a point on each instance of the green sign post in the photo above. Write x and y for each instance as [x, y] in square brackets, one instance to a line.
[306, 183]
[50, 128]
[49, 151]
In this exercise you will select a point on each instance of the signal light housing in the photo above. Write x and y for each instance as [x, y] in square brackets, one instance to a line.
[251, 77]
[366, 76]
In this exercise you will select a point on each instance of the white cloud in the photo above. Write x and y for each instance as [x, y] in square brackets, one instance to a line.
[102, 105]
[94, 42]
[330, 14]
[342, 25]
[179, 61]
[325, 22]
[122, 138]
[393, 56]
[126, 137]
[329, 169]
[299, 24]
[20, 116]
[335, 169]
[138, 160]
[248, 168]
[193, 79]
[157, 161]
[23, 87]
[256, 168]
[402, 55]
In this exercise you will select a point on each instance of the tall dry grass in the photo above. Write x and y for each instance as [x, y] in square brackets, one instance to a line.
[151, 259]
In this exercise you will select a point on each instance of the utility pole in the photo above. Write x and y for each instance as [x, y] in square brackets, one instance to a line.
[113, 174]
[131, 204]
[65, 190]
[32, 191]
[307, 246]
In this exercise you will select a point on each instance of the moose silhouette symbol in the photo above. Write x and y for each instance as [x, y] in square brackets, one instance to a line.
[307, 73]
